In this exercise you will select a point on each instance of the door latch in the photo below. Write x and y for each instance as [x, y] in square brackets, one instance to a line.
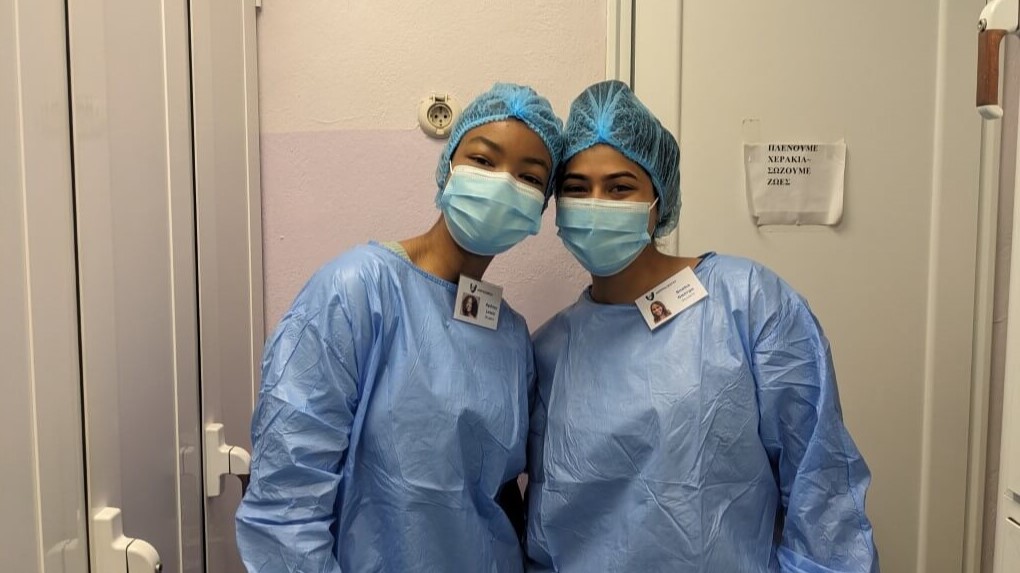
[222, 459]
[117, 553]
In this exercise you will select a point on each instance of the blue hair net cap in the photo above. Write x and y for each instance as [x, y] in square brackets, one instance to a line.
[609, 112]
[500, 103]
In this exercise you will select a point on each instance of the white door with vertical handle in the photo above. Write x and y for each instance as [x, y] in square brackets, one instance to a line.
[229, 207]
[894, 283]
[131, 119]
[103, 259]
[43, 526]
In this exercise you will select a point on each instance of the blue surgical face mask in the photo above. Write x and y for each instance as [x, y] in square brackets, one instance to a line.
[604, 236]
[487, 212]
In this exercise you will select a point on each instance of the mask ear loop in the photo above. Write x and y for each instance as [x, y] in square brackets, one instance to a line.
[449, 176]
[650, 207]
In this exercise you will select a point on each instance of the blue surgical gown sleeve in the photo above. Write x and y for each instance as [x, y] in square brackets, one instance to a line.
[821, 474]
[300, 432]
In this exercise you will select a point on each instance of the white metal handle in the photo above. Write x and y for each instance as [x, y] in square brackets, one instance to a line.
[222, 459]
[1001, 15]
[117, 553]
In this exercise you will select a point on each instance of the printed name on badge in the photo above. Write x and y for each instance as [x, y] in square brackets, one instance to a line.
[478, 302]
[671, 297]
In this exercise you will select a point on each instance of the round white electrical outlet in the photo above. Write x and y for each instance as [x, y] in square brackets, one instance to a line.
[437, 114]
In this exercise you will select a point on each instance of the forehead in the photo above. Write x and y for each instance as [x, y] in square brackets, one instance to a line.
[601, 160]
[512, 135]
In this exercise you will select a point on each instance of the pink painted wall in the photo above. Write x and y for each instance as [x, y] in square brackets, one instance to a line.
[343, 161]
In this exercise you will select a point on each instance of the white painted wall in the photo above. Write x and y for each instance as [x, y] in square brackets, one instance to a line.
[343, 159]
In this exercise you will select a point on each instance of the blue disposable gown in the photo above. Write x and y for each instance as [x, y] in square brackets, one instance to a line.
[714, 444]
[384, 428]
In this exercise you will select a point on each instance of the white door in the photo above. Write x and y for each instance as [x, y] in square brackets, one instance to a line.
[109, 240]
[228, 197]
[134, 198]
[42, 479]
[894, 283]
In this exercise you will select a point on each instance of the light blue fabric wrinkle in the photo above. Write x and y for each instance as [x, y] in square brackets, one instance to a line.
[384, 428]
[688, 447]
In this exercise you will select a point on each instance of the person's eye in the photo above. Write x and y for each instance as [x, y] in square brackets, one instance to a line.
[620, 189]
[482, 160]
[572, 190]
[533, 180]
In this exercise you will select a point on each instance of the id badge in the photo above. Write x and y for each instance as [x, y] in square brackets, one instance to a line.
[478, 302]
[671, 297]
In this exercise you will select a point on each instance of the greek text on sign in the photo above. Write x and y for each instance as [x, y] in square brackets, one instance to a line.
[795, 183]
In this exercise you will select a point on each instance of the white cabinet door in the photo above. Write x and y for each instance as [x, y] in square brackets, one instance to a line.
[134, 196]
[225, 87]
[98, 211]
[42, 486]
[894, 283]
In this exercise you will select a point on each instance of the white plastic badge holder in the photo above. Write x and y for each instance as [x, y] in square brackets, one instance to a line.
[671, 297]
[478, 303]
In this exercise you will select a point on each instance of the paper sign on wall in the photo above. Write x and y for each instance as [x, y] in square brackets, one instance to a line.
[795, 183]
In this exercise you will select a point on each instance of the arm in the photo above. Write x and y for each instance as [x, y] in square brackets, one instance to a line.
[300, 432]
[821, 474]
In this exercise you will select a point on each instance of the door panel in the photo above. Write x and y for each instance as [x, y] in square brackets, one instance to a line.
[131, 211]
[225, 87]
[893, 283]
[42, 483]
[135, 231]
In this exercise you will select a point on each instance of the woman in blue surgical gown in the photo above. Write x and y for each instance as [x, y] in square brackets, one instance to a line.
[378, 447]
[710, 440]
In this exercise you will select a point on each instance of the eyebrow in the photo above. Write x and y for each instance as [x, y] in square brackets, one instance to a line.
[617, 175]
[620, 174]
[499, 148]
[487, 142]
